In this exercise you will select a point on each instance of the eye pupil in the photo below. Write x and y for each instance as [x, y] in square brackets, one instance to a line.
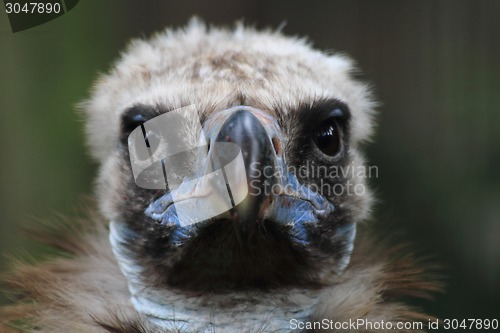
[131, 122]
[328, 140]
[134, 117]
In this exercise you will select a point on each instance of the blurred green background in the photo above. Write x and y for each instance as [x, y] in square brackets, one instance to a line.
[435, 66]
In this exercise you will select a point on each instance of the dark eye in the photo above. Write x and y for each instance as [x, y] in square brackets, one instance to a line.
[133, 122]
[133, 118]
[130, 121]
[327, 138]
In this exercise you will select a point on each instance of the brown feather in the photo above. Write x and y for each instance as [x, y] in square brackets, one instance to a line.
[83, 289]
[87, 293]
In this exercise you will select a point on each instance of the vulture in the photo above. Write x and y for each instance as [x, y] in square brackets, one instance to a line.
[232, 196]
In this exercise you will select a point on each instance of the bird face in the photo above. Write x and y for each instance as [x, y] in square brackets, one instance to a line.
[278, 124]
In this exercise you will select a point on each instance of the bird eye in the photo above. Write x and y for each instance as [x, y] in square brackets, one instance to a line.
[327, 139]
[131, 121]
[135, 117]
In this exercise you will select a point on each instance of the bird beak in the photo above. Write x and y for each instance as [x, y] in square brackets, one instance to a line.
[245, 130]
[242, 178]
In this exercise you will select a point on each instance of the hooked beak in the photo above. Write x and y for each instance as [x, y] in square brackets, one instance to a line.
[241, 143]
[259, 158]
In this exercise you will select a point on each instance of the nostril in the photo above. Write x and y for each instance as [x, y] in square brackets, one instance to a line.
[276, 145]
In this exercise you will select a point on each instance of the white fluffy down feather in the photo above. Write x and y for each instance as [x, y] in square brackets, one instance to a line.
[215, 69]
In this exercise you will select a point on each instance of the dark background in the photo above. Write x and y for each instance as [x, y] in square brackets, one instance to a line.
[435, 67]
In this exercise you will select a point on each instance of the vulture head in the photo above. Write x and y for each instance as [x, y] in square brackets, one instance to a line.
[232, 181]
[226, 173]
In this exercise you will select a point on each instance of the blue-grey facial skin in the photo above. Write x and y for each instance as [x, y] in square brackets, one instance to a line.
[297, 206]
[273, 192]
